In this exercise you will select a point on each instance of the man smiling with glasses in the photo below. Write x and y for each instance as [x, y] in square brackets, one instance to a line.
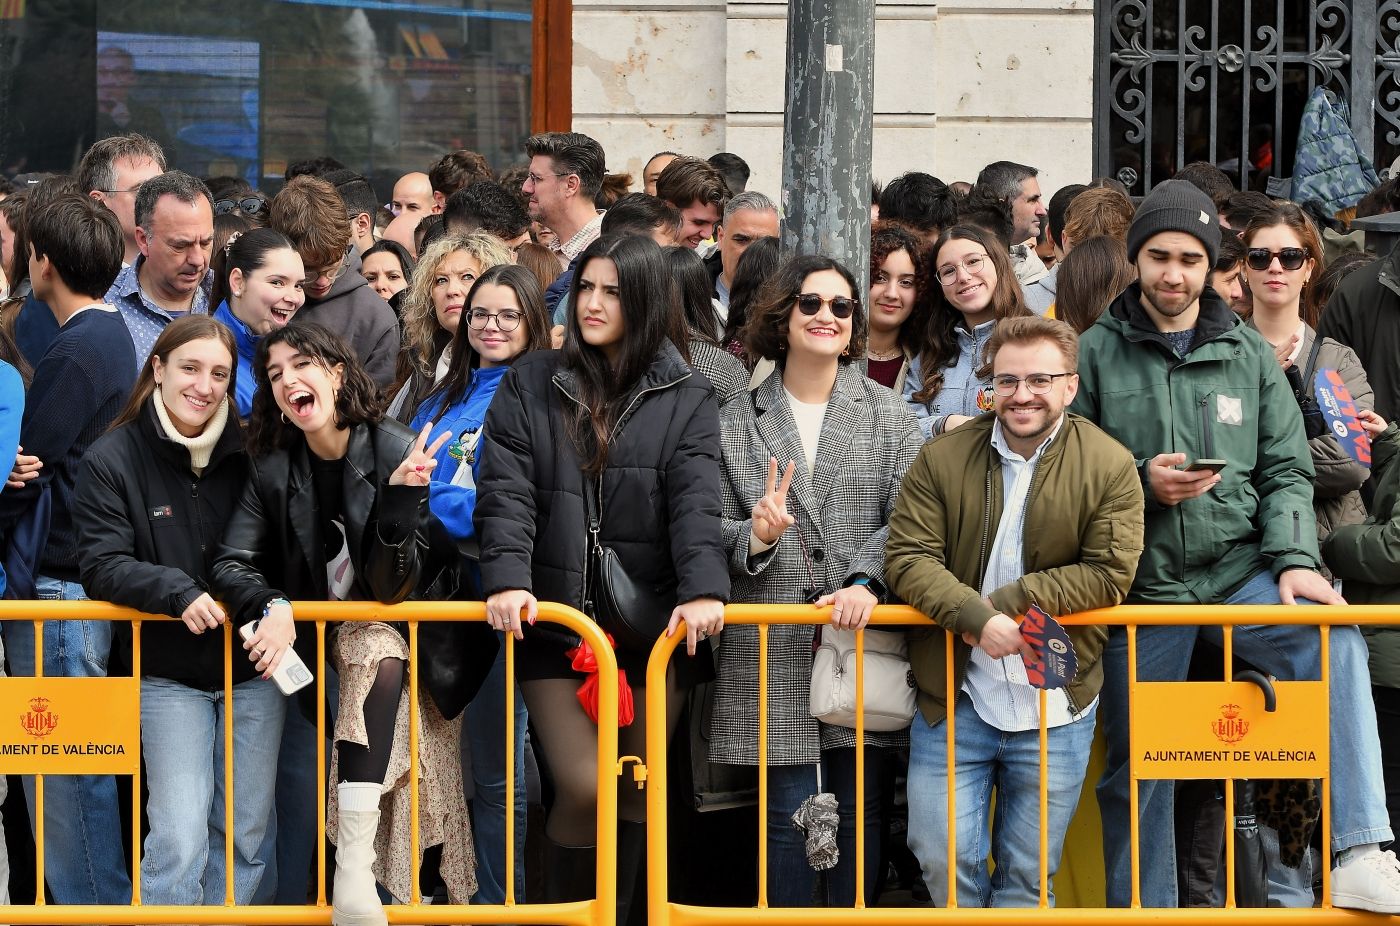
[1029, 506]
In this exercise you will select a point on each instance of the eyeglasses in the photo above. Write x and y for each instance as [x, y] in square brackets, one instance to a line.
[973, 264]
[1037, 383]
[133, 190]
[334, 272]
[533, 177]
[811, 304]
[507, 320]
[1288, 258]
[249, 206]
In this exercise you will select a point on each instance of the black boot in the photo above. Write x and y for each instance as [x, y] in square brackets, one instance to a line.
[631, 873]
[570, 873]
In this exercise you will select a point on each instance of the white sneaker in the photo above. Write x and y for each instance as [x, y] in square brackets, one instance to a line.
[1368, 881]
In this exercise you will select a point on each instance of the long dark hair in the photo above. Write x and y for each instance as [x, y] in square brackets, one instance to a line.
[359, 400]
[246, 253]
[758, 262]
[649, 316]
[693, 289]
[175, 335]
[456, 383]
[938, 345]
[1090, 277]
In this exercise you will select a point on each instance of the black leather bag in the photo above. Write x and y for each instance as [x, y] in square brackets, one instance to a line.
[633, 612]
[454, 657]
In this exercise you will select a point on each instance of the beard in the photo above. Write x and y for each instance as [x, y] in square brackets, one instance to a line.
[1171, 305]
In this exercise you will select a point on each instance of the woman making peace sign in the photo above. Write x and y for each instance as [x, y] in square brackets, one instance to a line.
[336, 507]
[843, 443]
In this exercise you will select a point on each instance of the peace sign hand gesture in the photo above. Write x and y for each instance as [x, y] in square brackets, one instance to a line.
[417, 467]
[770, 515]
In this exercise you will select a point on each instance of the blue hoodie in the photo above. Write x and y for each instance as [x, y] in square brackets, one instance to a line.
[245, 385]
[453, 505]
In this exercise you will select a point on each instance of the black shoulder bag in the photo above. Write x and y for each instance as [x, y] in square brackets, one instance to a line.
[633, 612]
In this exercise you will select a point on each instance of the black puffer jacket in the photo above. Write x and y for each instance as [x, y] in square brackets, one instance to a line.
[149, 530]
[661, 500]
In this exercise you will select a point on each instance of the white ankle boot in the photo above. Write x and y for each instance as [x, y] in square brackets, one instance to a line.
[355, 901]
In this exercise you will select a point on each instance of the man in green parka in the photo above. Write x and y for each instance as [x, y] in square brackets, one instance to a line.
[1175, 376]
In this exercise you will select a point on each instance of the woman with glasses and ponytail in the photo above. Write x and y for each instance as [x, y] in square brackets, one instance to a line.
[970, 286]
[616, 424]
[504, 317]
[1282, 263]
[812, 462]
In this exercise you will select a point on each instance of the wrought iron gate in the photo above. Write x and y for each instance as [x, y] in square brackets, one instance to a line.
[1225, 81]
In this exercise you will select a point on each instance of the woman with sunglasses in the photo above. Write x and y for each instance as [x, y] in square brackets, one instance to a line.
[336, 508]
[1282, 262]
[970, 286]
[616, 422]
[813, 460]
[504, 318]
[258, 289]
[432, 308]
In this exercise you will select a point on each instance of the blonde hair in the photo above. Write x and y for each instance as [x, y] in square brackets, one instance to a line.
[423, 336]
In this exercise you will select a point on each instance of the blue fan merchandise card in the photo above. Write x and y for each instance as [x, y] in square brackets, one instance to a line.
[1339, 410]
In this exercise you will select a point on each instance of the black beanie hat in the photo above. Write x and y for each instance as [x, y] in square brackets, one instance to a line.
[1176, 205]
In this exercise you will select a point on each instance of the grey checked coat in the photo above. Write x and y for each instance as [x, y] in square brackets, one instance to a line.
[869, 439]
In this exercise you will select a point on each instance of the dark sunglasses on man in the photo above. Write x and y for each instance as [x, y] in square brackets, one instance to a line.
[248, 205]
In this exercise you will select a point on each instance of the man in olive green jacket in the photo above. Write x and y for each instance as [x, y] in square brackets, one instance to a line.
[1031, 506]
[1174, 375]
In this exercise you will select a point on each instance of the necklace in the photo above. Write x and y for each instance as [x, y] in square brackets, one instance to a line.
[892, 354]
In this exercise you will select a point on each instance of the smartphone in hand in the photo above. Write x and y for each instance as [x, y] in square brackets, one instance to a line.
[1204, 465]
[292, 675]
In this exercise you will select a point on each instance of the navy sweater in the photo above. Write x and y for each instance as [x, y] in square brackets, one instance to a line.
[79, 387]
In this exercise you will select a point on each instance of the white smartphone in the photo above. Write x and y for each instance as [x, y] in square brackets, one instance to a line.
[292, 675]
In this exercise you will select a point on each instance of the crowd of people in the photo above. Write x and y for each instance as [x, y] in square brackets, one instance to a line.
[537, 386]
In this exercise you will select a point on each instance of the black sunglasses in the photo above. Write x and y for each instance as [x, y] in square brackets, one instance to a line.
[811, 304]
[250, 205]
[1288, 258]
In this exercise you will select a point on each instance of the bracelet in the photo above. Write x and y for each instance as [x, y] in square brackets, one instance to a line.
[267, 608]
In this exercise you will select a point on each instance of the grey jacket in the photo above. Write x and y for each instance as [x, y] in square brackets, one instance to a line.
[1040, 295]
[868, 442]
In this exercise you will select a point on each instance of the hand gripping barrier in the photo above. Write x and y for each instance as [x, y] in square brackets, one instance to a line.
[662, 912]
[597, 912]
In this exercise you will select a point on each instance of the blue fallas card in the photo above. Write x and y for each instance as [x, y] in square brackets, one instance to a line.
[1339, 410]
[1056, 662]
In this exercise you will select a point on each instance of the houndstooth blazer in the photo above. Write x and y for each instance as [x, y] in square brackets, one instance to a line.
[869, 439]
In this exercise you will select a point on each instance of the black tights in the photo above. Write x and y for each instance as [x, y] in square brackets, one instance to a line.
[371, 763]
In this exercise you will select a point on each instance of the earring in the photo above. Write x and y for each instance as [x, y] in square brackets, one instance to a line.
[283, 416]
[846, 352]
[238, 293]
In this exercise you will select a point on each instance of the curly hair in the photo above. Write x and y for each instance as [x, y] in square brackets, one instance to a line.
[938, 344]
[424, 338]
[885, 239]
[765, 332]
[359, 399]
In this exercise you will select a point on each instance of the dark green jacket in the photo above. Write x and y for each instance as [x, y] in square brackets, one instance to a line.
[1366, 557]
[1082, 538]
[1226, 399]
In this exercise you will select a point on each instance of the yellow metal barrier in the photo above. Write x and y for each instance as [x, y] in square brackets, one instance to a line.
[597, 912]
[662, 912]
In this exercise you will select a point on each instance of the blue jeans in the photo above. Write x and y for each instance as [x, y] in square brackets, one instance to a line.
[792, 882]
[182, 740]
[990, 758]
[289, 847]
[83, 858]
[1287, 652]
[484, 735]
